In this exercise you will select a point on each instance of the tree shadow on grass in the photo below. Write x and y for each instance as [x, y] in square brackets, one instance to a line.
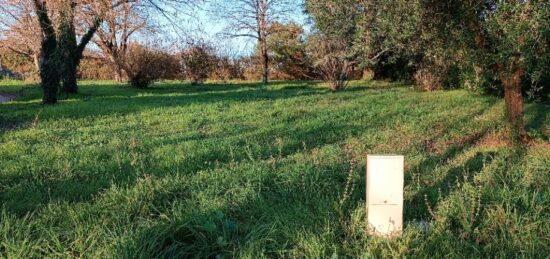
[83, 187]
[102, 101]
[539, 115]
[32, 194]
[420, 177]
[262, 220]
[416, 208]
[22, 195]
[23, 198]
[269, 222]
[374, 86]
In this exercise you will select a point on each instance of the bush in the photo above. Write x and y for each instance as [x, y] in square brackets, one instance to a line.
[92, 68]
[330, 59]
[227, 69]
[429, 78]
[144, 65]
[197, 63]
[21, 67]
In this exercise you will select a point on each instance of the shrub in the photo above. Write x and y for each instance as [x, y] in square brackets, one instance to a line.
[145, 64]
[21, 66]
[197, 63]
[288, 57]
[331, 61]
[227, 69]
[92, 68]
[429, 78]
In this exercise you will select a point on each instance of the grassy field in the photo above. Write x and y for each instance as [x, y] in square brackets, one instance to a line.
[254, 171]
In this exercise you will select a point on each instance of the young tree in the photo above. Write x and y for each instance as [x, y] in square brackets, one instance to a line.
[252, 19]
[331, 60]
[121, 23]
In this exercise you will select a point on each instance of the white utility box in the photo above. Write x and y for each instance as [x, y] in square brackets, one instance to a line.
[385, 177]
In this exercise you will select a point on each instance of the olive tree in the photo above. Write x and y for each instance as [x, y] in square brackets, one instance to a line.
[508, 38]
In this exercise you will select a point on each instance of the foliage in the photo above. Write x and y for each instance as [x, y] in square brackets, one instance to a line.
[522, 30]
[332, 48]
[226, 68]
[19, 64]
[287, 50]
[94, 68]
[197, 63]
[288, 57]
[337, 19]
[426, 79]
[505, 39]
[145, 65]
[331, 61]
[235, 171]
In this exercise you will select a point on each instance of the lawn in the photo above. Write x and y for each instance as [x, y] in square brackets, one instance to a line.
[245, 170]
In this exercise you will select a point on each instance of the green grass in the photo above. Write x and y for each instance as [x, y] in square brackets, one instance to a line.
[250, 171]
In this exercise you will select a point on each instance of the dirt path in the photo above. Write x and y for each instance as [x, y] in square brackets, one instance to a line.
[7, 97]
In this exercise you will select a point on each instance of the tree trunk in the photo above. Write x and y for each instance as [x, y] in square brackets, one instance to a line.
[73, 53]
[37, 58]
[49, 73]
[69, 69]
[49, 63]
[514, 102]
[119, 75]
[70, 77]
[68, 47]
[265, 60]
[50, 83]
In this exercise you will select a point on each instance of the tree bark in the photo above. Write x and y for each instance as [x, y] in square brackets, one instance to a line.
[265, 61]
[49, 74]
[69, 77]
[73, 53]
[513, 97]
[67, 44]
[119, 74]
[49, 64]
[37, 59]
